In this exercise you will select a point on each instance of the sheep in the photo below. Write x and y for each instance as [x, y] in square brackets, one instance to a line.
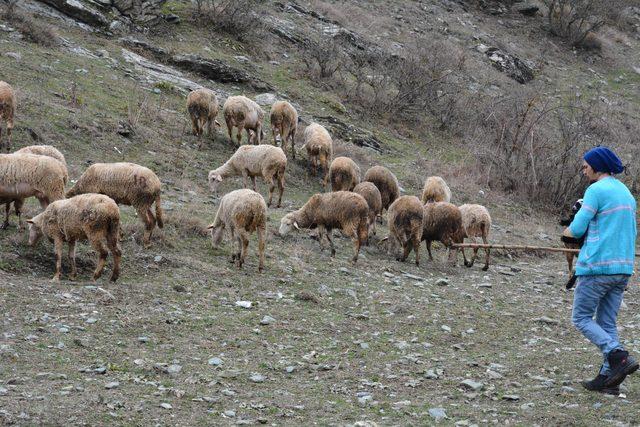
[344, 174]
[386, 182]
[284, 120]
[443, 222]
[326, 211]
[25, 175]
[372, 195]
[405, 219]
[243, 113]
[319, 147]
[93, 217]
[476, 222]
[128, 184]
[7, 111]
[252, 161]
[435, 190]
[50, 151]
[202, 106]
[242, 212]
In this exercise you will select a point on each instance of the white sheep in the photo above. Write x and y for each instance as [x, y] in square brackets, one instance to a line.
[7, 111]
[92, 217]
[436, 190]
[476, 222]
[284, 120]
[241, 212]
[202, 106]
[243, 113]
[319, 147]
[253, 161]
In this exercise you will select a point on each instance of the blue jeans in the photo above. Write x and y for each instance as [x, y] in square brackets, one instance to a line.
[602, 296]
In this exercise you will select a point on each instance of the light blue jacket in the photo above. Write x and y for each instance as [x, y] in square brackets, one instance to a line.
[609, 212]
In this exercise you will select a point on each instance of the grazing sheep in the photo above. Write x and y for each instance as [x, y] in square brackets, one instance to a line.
[372, 195]
[243, 113]
[92, 217]
[386, 182]
[242, 212]
[344, 174]
[47, 150]
[443, 222]
[284, 119]
[252, 161]
[202, 106]
[319, 147]
[476, 222]
[436, 190]
[127, 184]
[25, 175]
[341, 209]
[7, 111]
[405, 220]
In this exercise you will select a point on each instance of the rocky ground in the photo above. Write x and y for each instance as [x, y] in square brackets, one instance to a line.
[184, 338]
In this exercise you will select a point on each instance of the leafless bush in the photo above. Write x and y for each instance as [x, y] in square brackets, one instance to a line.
[577, 21]
[240, 18]
[29, 27]
[322, 58]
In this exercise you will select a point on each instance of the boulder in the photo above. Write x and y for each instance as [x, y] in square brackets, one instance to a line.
[80, 11]
[350, 133]
[509, 64]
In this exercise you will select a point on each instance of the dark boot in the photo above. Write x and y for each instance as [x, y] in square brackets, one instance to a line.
[598, 384]
[621, 365]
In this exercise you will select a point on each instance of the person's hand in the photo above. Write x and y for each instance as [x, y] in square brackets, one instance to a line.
[567, 232]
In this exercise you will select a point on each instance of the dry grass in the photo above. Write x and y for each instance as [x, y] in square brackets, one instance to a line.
[32, 29]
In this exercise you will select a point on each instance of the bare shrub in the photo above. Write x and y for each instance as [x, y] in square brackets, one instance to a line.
[322, 58]
[239, 18]
[28, 26]
[577, 21]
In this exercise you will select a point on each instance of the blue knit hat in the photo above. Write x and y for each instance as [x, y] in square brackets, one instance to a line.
[602, 159]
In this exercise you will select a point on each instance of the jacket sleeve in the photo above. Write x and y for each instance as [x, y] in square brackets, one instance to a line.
[586, 213]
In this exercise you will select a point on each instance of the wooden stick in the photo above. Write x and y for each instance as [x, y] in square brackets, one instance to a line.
[519, 247]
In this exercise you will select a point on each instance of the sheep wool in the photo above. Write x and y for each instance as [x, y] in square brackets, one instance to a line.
[435, 190]
[243, 113]
[344, 174]
[319, 147]
[476, 222]
[405, 219]
[50, 151]
[443, 223]
[7, 112]
[386, 182]
[372, 195]
[284, 121]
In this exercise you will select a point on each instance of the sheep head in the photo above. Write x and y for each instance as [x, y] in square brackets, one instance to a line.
[216, 234]
[214, 180]
[35, 230]
[288, 223]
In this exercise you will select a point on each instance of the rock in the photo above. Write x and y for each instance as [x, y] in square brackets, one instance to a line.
[179, 288]
[510, 64]
[172, 18]
[91, 320]
[242, 58]
[174, 369]
[442, 282]
[350, 133]
[79, 11]
[143, 339]
[445, 328]
[547, 320]
[494, 375]
[437, 413]
[484, 285]
[166, 405]
[267, 320]
[111, 385]
[257, 378]
[14, 55]
[365, 399]
[243, 304]
[472, 385]
[511, 397]
[229, 414]
[290, 369]
[102, 53]
[117, 27]
[3, 391]
[265, 99]
[157, 259]
[528, 9]
[215, 361]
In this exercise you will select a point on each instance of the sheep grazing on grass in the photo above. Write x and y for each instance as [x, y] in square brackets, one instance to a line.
[372, 195]
[344, 174]
[319, 147]
[92, 217]
[7, 112]
[476, 222]
[252, 161]
[243, 113]
[128, 184]
[284, 120]
[25, 175]
[47, 150]
[241, 212]
[443, 223]
[405, 220]
[386, 182]
[202, 106]
[341, 209]
[435, 190]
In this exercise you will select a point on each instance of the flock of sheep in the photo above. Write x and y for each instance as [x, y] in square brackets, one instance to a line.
[89, 210]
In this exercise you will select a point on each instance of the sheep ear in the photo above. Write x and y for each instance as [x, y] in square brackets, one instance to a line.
[218, 178]
[217, 123]
[210, 226]
[30, 221]
[295, 224]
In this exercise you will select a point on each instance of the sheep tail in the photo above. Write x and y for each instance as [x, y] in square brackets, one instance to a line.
[159, 219]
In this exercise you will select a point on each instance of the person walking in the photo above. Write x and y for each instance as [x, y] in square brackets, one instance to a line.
[604, 265]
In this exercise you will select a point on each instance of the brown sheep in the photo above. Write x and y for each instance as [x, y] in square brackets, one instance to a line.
[476, 222]
[242, 212]
[266, 161]
[319, 147]
[372, 195]
[386, 182]
[202, 106]
[341, 209]
[344, 174]
[7, 111]
[47, 150]
[92, 217]
[243, 113]
[443, 222]
[127, 184]
[435, 190]
[284, 120]
[405, 220]
[26, 175]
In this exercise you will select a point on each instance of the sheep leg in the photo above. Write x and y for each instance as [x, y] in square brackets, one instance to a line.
[473, 256]
[280, 188]
[321, 233]
[116, 252]
[429, 250]
[253, 181]
[328, 233]
[243, 244]
[5, 224]
[356, 245]
[262, 231]
[17, 205]
[194, 125]
[211, 127]
[239, 134]
[568, 255]
[99, 246]
[273, 133]
[57, 243]
[229, 129]
[272, 186]
[487, 250]
[72, 259]
[292, 136]
[143, 213]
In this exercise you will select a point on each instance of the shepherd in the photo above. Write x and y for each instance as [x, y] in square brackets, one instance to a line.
[604, 265]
